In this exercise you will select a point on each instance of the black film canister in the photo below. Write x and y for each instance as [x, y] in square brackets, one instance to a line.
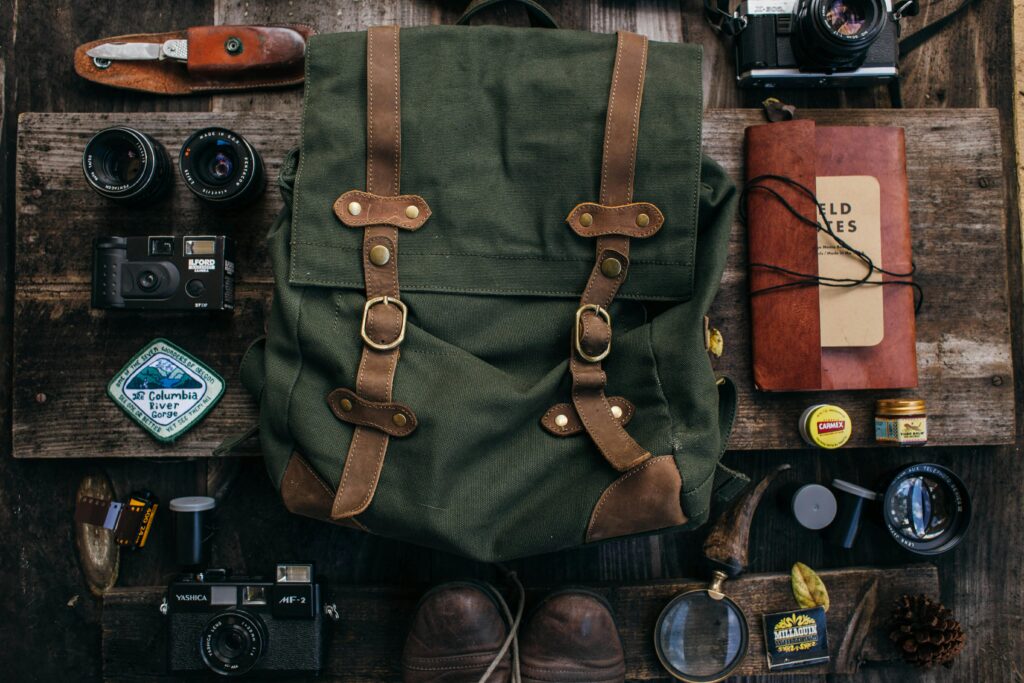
[851, 507]
[192, 529]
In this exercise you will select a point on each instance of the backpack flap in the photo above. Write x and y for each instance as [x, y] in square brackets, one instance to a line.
[502, 138]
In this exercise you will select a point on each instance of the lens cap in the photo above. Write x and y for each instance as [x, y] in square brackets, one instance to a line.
[814, 506]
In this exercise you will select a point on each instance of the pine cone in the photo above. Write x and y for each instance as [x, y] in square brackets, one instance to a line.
[925, 632]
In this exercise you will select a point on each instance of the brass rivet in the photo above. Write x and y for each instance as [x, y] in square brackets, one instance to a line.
[380, 255]
[355, 208]
[586, 220]
[412, 211]
[616, 412]
[643, 220]
[561, 420]
[399, 419]
[346, 405]
[611, 267]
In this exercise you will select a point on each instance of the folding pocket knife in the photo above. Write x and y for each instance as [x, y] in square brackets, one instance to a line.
[213, 50]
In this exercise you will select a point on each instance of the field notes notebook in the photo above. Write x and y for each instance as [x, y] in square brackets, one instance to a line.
[853, 316]
[813, 337]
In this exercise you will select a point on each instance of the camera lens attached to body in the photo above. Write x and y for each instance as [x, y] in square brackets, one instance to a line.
[221, 167]
[148, 281]
[126, 165]
[836, 34]
[232, 642]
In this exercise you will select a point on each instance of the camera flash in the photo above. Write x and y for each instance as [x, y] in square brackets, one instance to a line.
[294, 573]
[200, 247]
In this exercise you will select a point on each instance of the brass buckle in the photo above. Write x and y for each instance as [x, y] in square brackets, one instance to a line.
[576, 334]
[386, 300]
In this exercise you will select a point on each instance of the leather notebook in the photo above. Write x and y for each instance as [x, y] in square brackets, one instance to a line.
[810, 337]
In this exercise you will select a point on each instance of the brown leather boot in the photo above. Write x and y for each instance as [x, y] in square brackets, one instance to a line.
[457, 632]
[572, 638]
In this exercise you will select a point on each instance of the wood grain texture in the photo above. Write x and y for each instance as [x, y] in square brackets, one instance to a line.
[45, 589]
[957, 212]
[366, 643]
[44, 598]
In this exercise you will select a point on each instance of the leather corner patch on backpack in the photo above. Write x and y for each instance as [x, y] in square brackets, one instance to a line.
[645, 498]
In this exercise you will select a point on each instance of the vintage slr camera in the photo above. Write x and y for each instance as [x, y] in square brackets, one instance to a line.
[817, 43]
[233, 626]
[193, 273]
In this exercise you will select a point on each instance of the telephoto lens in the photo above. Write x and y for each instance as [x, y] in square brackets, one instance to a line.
[126, 166]
[221, 167]
[926, 508]
[836, 34]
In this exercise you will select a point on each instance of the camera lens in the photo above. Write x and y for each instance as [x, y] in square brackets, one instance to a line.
[232, 642]
[844, 18]
[221, 167]
[835, 35]
[927, 509]
[148, 281]
[126, 166]
[218, 168]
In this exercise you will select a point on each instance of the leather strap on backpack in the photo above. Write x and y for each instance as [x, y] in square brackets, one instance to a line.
[613, 220]
[377, 212]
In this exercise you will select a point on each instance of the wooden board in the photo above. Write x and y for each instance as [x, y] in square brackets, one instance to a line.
[60, 409]
[366, 643]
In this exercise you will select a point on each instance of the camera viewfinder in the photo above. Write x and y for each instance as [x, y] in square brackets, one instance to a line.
[223, 595]
[161, 246]
[254, 595]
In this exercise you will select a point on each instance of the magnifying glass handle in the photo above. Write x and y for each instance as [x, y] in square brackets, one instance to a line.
[727, 546]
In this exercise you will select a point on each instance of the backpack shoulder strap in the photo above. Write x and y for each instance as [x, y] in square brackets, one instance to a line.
[380, 212]
[614, 219]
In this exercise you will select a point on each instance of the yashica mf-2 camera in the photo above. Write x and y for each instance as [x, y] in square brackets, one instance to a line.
[193, 273]
[817, 43]
[236, 625]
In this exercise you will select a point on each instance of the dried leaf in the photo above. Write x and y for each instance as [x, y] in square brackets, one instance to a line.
[808, 588]
[716, 343]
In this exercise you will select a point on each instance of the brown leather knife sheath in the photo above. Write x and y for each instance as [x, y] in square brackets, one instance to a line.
[259, 57]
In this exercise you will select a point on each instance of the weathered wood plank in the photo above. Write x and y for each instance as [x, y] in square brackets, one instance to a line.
[59, 215]
[960, 245]
[957, 211]
[367, 642]
[68, 352]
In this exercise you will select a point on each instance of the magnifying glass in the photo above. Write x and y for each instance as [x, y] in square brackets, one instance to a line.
[702, 635]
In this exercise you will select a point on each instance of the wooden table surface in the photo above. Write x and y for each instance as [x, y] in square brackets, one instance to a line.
[50, 623]
[957, 206]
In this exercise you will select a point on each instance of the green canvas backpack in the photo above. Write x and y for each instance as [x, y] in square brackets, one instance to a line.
[455, 355]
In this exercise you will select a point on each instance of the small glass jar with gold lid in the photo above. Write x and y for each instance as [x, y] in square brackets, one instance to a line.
[901, 422]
